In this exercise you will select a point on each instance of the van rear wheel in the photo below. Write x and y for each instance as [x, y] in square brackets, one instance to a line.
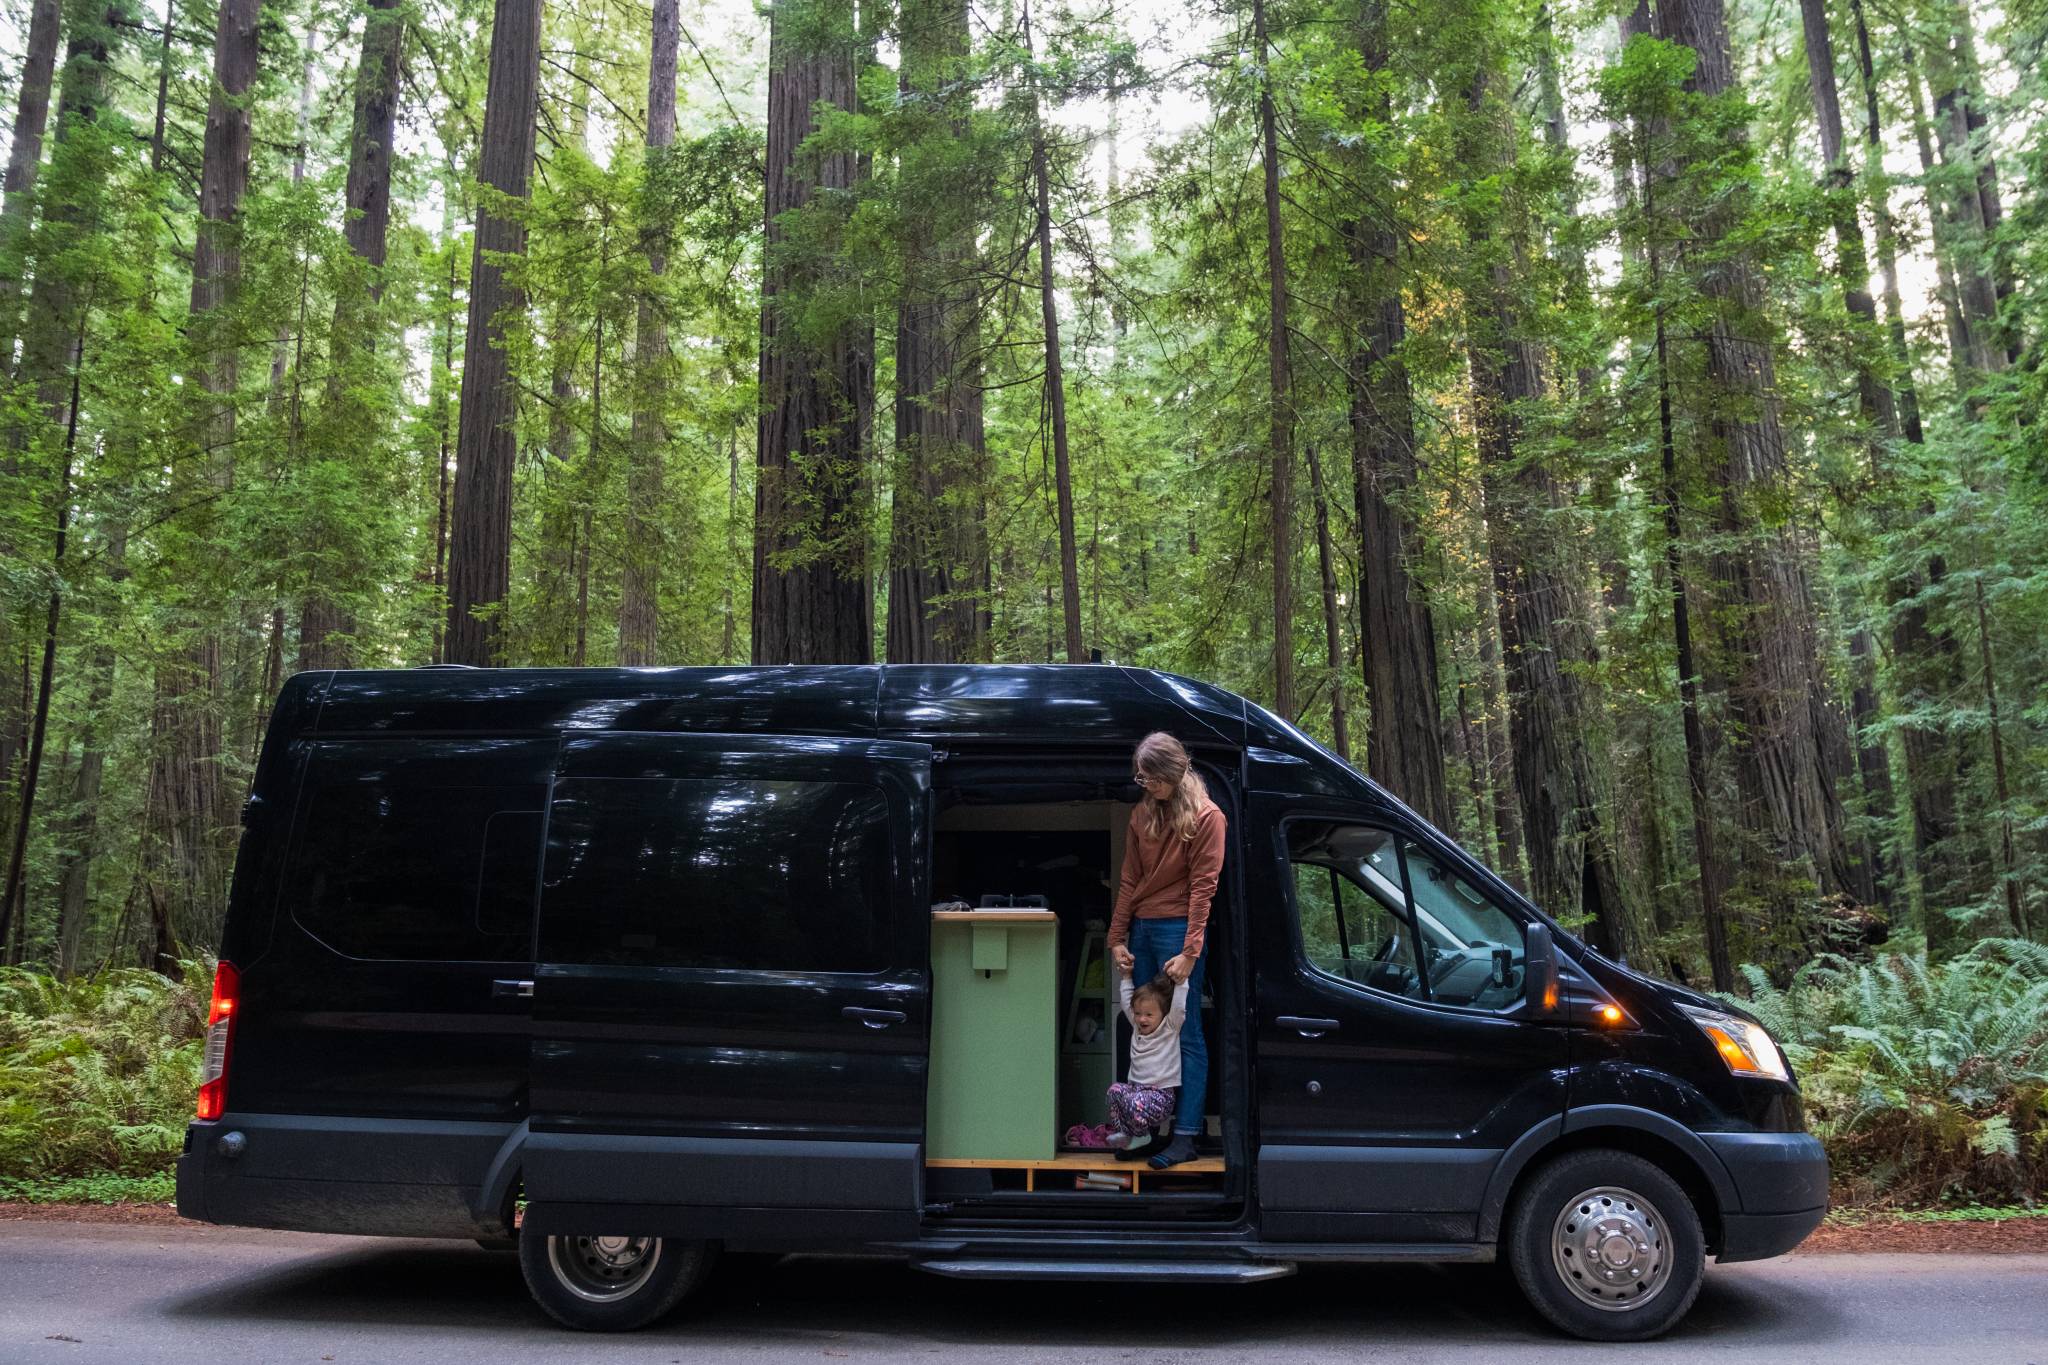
[1607, 1246]
[611, 1284]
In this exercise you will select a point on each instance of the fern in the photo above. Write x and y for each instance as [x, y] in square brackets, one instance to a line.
[96, 1074]
[1923, 1079]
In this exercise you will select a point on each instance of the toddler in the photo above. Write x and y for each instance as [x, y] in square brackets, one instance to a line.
[1140, 1104]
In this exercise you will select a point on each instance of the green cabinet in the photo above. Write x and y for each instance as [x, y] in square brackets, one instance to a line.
[995, 1039]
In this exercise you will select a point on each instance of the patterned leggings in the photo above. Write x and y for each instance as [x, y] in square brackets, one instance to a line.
[1135, 1109]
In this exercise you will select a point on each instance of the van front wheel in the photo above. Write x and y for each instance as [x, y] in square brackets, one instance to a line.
[611, 1284]
[1607, 1246]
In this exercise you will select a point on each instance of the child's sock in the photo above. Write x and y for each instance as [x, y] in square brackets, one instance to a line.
[1115, 1139]
[1141, 1148]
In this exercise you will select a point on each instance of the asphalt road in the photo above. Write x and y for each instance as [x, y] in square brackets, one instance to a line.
[71, 1292]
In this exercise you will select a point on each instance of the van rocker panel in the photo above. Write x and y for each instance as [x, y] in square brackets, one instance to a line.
[767, 1173]
[1374, 1179]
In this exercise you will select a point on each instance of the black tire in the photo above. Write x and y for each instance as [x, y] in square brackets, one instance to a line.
[611, 1284]
[1632, 1229]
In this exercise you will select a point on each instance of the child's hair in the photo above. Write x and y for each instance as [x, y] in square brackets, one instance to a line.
[1160, 988]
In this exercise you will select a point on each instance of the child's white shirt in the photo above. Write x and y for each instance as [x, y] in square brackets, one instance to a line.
[1155, 1056]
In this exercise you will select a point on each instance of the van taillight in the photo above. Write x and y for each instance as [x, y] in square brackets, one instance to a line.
[220, 1040]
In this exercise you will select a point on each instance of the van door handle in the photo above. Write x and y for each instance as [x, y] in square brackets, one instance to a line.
[512, 990]
[1308, 1028]
[874, 1018]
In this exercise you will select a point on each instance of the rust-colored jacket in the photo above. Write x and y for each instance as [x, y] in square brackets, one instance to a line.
[1168, 876]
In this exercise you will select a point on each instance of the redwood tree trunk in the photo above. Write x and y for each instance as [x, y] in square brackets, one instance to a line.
[324, 627]
[480, 550]
[190, 740]
[24, 159]
[810, 553]
[1280, 398]
[937, 541]
[1333, 633]
[1787, 730]
[1398, 641]
[1572, 867]
[640, 579]
[1055, 383]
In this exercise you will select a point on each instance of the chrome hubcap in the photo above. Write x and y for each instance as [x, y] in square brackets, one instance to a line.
[1610, 1250]
[603, 1269]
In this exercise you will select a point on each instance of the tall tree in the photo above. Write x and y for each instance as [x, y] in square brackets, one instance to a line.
[937, 542]
[24, 159]
[1537, 583]
[325, 626]
[1875, 402]
[817, 365]
[1280, 396]
[1788, 734]
[640, 593]
[192, 798]
[1397, 637]
[1055, 371]
[480, 546]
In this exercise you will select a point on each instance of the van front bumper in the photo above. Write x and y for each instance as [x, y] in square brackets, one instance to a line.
[1781, 1187]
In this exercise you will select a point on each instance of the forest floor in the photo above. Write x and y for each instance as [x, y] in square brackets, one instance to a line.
[1974, 1232]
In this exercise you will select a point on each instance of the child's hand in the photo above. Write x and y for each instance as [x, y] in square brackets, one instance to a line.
[1124, 960]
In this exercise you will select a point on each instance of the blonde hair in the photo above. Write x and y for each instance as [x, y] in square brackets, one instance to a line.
[1161, 758]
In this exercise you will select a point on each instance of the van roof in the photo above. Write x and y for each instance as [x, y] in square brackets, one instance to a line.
[1037, 705]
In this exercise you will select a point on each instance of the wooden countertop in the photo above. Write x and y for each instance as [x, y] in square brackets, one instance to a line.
[1004, 916]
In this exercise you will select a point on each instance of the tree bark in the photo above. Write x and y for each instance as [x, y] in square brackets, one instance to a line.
[937, 540]
[24, 160]
[1055, 377]
[1572, 866]
[1333, 633]
[325, 626]
[1280, 397]
[1787, 729]
[1398, 639]
[480, 550]
[640, 586]
[810, 552]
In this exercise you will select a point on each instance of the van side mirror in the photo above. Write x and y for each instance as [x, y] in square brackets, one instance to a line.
[1539, 971]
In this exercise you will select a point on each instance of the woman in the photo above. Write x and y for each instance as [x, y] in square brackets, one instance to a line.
[1172, 856]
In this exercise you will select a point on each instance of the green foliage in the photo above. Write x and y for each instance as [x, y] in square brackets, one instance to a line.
[97, 1077]
[1927, 1080]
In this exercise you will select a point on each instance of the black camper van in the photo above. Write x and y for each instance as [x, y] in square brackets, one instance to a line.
[633, 967]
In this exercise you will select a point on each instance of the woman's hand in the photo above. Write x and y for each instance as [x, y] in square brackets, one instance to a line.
[1124, 961]
[1180, 967]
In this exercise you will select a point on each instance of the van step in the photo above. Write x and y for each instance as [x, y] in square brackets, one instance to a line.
[1170, 1272]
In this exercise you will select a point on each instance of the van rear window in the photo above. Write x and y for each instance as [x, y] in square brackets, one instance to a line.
[421, 850]
[703, 872]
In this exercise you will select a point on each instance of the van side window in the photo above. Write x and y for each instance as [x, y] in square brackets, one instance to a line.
[1474, 949]
[1349, 906]
[1391, 915]
[421, 850]
[729, 873]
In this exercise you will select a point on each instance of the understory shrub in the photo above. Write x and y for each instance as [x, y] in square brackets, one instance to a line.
[97, 1074]
[1927, 1082]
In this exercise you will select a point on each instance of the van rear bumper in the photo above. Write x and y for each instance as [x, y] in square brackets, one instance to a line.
[372, 1177]
[1781, 1185]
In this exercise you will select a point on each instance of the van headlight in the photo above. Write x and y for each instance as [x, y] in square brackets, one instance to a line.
[1745, 1046]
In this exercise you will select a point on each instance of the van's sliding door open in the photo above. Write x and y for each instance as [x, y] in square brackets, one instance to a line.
[730, 1002]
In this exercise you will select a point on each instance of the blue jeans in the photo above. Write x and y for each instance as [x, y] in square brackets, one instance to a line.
[1152, 942]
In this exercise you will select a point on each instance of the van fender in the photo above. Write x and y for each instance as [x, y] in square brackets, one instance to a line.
[1523, 1150]
[499, 1178]
[1590, 1117]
